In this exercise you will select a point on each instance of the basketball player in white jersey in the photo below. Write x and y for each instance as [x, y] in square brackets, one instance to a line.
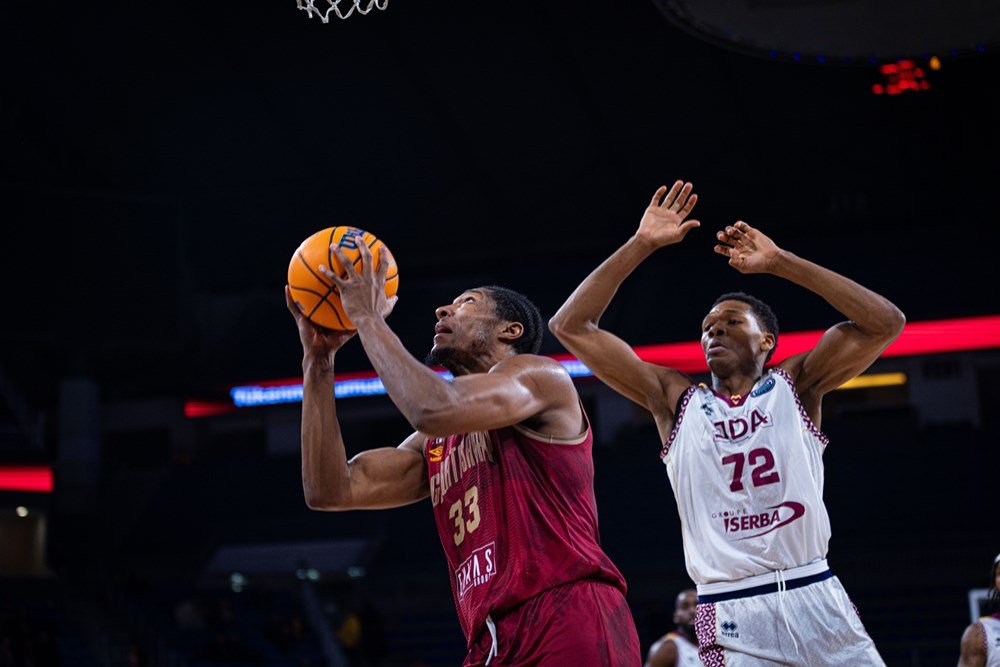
[678, 648]
[744, 453]
[981, 640]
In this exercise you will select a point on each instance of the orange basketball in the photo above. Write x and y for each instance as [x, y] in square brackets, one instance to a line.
[315, 295]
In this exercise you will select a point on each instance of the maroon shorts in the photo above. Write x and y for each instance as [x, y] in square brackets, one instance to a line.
[580, 624]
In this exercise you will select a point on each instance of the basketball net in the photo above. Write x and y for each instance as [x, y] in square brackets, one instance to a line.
[334, 7]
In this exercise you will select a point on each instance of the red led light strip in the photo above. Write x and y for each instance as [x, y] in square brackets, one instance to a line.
[930, 337]
[26, 478]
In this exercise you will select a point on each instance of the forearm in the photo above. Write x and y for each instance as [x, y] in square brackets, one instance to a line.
[326, 480]
[589, 301]
[418, 391]
[872, 313]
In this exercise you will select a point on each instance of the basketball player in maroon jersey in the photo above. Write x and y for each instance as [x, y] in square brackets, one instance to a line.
[505, 454]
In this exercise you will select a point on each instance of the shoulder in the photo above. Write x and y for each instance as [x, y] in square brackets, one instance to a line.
[663, 653]
[534, 368]
[974, 640]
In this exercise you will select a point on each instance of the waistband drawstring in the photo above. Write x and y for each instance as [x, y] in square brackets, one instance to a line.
[492, 627]
[782, 588]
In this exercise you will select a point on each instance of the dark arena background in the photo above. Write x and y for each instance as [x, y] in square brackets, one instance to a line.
[162, 161]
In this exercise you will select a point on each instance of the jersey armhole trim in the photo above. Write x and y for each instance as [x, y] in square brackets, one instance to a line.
[815, 430]
[682, 404]
[551, 439]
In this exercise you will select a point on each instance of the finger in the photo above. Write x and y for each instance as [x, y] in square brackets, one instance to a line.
[366, 258]
[384, 259]
[343, 262]
[337, 280]
[688, 207]
[744, 228]
[686, 227]
[724, 237]
[682, 197]
[658, 195]
[723, 250]
[290, 302]
[672, 195]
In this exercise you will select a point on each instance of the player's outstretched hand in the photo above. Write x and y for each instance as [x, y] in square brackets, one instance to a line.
[362, 293]
[664, 223]
[315, 339]
[749, 250]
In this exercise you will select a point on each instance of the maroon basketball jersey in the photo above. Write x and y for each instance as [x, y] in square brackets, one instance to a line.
[516, 514]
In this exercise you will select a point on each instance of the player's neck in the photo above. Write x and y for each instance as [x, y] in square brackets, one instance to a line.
[474, 363]
[736, 385]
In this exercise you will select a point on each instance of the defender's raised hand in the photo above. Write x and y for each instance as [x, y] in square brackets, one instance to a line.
[749, 250]
[664, 223]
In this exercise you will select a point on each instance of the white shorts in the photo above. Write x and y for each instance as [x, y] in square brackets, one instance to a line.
[811, 623]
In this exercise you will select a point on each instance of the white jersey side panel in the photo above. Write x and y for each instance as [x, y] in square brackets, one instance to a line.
[991, 631]
[687, 653]
[748, 480]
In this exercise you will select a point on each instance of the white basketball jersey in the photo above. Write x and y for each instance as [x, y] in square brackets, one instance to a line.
[748, 479]
[687, 653]
[991, 632]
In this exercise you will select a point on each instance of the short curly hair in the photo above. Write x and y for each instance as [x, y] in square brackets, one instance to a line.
[768, 320]
[511, 306]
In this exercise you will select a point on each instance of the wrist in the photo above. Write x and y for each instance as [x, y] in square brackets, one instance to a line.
[318, 363]
[366, 319]
[641, 244]
[783, 264]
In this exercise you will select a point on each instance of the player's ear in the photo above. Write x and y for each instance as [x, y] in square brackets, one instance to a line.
[511, 331]
[767, 342]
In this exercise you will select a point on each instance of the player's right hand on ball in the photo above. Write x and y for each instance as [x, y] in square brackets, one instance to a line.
[315, 339]
[664, 223]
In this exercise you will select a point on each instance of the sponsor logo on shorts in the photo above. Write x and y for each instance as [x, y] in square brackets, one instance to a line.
[477, 569]
[743, 524]
[729, 629]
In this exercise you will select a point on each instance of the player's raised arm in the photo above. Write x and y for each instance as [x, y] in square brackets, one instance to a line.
[576, 324]
[375, 479]
[846, 349]
[488, 392]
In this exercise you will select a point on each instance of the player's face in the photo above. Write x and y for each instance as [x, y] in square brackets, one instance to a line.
[996, 576]
[731, 336]
[686, 607]
[462, 323]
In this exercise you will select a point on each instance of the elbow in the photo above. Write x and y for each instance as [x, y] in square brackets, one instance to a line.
[563, 327]
[438, 415]
[432, 424]
[321, 501]
[895, 322]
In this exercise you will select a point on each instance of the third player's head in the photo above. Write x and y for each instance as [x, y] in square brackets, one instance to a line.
[738, 335]
[685, 608]
[482, 326]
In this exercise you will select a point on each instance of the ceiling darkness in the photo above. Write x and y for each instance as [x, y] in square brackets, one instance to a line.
[161, 162]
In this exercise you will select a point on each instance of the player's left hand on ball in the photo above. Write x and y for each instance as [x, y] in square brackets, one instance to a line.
[362, 293]
[749, 250]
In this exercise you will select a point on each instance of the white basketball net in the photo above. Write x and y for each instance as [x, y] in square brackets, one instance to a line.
[333, 7]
